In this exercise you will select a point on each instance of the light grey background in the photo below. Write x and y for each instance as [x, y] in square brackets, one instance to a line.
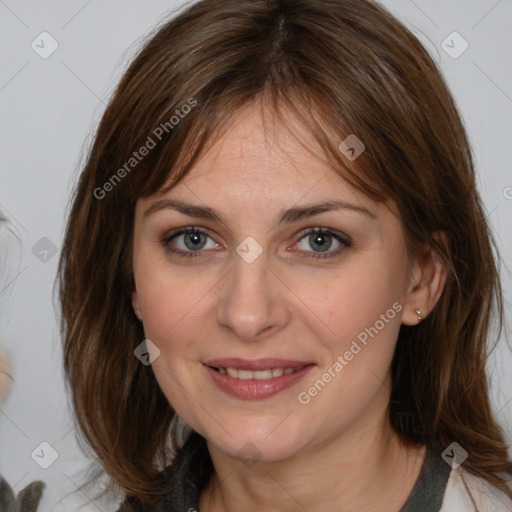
[49, 108]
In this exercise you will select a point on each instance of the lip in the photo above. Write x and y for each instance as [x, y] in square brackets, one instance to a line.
[255, 389]
[254, 364]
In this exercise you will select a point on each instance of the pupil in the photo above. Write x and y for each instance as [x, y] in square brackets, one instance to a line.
[196, 237]
[320, 240]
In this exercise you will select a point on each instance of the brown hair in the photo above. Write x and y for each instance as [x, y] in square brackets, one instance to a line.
[342, 67]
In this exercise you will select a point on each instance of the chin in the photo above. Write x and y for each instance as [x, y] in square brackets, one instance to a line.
[264, 439]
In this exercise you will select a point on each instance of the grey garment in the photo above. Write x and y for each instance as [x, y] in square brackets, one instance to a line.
[184, 481]
[185, 486]
[428, 492]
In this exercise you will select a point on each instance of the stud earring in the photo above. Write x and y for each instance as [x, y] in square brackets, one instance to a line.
[418, 312]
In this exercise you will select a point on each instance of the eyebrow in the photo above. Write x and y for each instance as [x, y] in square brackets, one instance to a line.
[293, 214]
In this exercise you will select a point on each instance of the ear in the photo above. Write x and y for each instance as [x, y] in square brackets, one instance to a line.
[136, 305]
[428, 277]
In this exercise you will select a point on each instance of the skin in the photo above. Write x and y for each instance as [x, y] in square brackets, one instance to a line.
[338, 452]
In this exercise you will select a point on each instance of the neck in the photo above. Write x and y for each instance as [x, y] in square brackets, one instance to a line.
[366, 469]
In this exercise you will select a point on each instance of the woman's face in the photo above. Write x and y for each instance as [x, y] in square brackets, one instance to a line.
[252, 296]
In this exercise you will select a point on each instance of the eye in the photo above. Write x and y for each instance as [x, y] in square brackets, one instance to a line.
[323, 240]
[193, 241]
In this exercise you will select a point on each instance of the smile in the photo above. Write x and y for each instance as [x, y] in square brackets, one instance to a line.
[258, 374]
[256, 379]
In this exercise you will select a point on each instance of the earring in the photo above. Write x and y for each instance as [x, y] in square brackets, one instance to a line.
[418, 312]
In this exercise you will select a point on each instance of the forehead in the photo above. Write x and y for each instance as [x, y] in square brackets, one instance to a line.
[258, 155]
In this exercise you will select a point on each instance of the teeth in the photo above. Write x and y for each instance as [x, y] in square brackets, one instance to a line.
[259, 374]
[232, 372]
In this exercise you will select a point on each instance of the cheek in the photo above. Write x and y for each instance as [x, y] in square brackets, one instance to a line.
[173, 302]
[342, 308]
[360, 314]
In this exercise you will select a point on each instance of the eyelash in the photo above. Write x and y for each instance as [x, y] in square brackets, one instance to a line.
[346, 243]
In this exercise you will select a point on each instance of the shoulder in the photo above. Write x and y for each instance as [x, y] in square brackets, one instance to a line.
[466, 492]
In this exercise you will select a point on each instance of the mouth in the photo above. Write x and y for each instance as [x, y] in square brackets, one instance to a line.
[255, 379]
[269, 373]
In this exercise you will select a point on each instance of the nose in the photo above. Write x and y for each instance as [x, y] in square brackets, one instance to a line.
[253, 301]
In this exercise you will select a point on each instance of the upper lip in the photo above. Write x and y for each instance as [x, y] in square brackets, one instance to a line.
[255, 364]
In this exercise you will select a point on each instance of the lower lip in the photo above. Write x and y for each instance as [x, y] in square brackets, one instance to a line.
[255, 389]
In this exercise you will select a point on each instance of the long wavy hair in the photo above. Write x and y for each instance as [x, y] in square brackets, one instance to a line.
[342, 67]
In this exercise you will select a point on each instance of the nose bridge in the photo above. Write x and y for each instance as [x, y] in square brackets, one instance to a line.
[250, 301]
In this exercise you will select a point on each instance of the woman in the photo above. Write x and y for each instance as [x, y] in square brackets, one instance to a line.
[277, 242]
